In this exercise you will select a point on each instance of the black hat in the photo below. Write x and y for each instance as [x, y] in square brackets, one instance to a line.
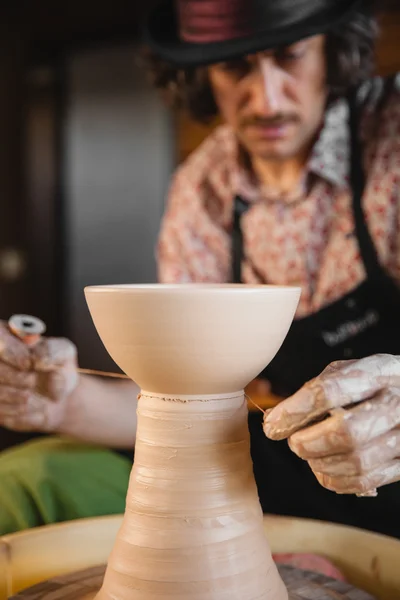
[201, 32]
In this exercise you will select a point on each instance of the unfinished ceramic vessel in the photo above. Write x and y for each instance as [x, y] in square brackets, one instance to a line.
[193, 525]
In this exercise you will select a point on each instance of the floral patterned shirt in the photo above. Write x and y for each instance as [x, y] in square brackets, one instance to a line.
[305, 240]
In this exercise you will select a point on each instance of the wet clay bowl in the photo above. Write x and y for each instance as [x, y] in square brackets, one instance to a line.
[202, 339]
[369, 561]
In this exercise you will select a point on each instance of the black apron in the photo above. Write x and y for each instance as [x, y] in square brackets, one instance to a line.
[364, 322]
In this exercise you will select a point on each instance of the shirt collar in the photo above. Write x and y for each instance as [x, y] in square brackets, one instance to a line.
[330, 157]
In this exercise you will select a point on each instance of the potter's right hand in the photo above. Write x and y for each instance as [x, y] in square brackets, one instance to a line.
[35, 382]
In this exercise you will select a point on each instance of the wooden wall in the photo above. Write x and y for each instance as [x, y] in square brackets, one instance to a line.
[191, 134]
[389, 45]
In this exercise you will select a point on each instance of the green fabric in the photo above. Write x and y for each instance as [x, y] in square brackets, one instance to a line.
[52, 480]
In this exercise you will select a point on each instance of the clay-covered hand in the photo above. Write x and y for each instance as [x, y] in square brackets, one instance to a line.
[345, 423]
[35, 382]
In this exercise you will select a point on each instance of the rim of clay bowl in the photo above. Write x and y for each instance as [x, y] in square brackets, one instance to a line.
[192, 287]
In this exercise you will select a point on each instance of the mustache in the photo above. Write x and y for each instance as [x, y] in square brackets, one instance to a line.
[274, 121]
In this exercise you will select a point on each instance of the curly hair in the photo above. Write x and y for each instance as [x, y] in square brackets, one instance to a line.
[350, 59]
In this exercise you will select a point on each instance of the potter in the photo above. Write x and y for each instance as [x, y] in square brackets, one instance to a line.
[299, 186]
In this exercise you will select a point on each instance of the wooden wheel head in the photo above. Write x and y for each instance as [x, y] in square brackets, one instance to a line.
[301, 585]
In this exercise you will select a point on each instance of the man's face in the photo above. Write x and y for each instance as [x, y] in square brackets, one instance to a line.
[274, 100]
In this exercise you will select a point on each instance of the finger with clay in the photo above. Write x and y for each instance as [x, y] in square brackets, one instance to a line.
[345, 424]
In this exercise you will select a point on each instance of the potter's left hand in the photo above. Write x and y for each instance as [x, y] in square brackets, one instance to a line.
[357, 447]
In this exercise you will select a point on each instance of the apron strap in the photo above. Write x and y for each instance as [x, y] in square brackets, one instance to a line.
[239, 208]
[357, 177]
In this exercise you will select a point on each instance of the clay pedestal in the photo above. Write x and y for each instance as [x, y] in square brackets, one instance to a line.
[193, 524]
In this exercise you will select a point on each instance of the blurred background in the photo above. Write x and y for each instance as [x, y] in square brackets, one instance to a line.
[87, 150]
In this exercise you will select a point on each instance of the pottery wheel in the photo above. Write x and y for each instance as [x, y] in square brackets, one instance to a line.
[302, 585]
